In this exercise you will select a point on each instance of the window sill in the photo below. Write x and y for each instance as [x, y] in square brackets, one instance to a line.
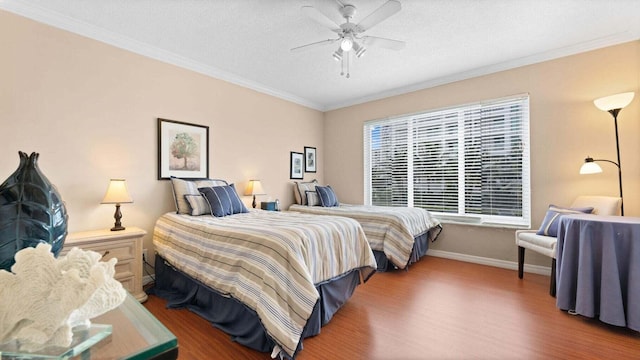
[484, 225]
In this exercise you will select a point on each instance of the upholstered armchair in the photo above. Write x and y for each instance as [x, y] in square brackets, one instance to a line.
[546, 245]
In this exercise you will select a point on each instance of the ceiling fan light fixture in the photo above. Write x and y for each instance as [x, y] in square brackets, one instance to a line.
[346, 44]
[359, 50]
[337, 55]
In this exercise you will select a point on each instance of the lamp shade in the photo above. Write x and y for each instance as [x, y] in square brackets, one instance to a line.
[360, 50]
[117, 193]
[590, 167]
[254, 187]
[617, 101]
[338, 54]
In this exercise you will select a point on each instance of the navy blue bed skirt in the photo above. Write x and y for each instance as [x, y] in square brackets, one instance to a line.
[420, 247]
[235, 318]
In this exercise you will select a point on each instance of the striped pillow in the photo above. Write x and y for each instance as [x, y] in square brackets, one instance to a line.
[198, 204]
[300, 189]
[189, 187]
[551, 220]
[327, 196]
[312, 198]
[223, 200]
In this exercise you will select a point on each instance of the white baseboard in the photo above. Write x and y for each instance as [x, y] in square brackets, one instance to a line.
[535, 269]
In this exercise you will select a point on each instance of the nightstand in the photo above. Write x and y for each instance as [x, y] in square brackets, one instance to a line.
[124, 245]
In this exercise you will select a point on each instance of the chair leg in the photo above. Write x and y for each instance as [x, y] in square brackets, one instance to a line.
[521, 262]
[552, 285]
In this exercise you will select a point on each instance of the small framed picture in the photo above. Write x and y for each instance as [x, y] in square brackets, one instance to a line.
[309, 159]
[296, 170]
[183, 150]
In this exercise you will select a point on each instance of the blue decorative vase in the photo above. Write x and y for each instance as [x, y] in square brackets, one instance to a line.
[31, 212]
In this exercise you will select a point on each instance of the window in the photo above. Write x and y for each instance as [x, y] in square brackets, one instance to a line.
[467, 163]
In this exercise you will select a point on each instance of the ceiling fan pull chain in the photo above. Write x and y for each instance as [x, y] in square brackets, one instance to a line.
[348, 58]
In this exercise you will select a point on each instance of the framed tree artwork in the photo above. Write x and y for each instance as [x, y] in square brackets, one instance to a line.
[296, 166]
[183, 150]
[310, 159]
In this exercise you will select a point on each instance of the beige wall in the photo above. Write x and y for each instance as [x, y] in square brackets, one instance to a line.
[90, 110]
[565, 128]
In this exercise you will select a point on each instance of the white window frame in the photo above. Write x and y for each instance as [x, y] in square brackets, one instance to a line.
[461, 216]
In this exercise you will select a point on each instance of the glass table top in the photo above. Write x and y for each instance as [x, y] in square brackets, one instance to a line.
[127, 332]
[83, 339]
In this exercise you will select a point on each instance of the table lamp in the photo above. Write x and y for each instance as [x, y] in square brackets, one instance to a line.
[117, 194]
[612, 104]
[254, 187]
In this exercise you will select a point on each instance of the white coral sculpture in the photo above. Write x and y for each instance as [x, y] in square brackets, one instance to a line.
[43, 298]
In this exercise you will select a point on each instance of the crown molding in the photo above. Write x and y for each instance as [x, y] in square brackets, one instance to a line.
[75, 26]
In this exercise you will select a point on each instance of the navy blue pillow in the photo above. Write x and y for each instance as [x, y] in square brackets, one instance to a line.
[551, 220]
[327, 196]
[223, 200]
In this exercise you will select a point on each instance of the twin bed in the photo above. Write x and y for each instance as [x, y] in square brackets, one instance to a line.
[268, 279]
[398, 236]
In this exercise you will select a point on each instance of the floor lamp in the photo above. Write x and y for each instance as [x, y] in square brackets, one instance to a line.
[612, 104]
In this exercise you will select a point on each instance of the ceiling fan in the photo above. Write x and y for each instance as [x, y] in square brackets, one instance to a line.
[350, 35]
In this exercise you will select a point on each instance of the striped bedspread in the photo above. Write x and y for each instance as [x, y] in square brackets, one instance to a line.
[389, 229]
[270, 261]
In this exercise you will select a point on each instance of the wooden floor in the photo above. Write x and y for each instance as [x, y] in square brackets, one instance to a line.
[439, 309]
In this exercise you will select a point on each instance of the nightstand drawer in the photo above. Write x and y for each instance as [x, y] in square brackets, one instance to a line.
[122, 251]
[124, 267]
[124, 245]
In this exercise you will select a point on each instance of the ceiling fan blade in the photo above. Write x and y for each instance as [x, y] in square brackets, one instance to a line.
[320, 18]
[330, 9]
[383, 42]
[382, 13]
[313, 45]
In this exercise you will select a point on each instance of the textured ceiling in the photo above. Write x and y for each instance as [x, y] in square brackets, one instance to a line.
[248, 42]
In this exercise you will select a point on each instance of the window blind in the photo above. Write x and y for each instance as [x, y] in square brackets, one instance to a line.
[469, 162]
